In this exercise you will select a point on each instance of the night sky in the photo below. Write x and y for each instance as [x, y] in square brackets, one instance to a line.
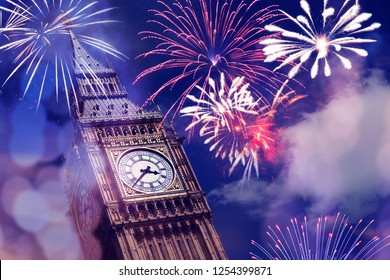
[334, 156]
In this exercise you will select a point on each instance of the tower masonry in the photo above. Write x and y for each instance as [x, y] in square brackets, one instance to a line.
[131, 190]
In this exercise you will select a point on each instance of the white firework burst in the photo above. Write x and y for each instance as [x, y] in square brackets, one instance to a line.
[237, 126]
[336, 35]
[40, 31]
[223, 115]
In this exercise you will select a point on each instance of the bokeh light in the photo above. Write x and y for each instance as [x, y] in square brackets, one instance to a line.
[26, 151]
[11, 189]
[54, 194]
[59, 241]
[21, 247]
[49, 173]
[57, 238]
[30, 210]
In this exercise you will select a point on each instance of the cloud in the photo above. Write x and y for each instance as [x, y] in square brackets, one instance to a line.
[338, 158]
[253, 195]
[340, 155]
[259, 198]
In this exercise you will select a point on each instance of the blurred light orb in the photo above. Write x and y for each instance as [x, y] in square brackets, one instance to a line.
[25, 150]
[59, 241]
[22, 246]
[54, 194]
[30, 210]
[11, 189]
[50, 173]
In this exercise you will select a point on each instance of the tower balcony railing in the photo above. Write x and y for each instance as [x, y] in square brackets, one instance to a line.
[101, 93]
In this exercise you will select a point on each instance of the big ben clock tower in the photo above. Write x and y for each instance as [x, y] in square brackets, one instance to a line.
[132, 193]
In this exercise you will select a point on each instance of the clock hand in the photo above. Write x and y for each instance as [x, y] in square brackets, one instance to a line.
[144, 172]
[149, 171]
[154, 172]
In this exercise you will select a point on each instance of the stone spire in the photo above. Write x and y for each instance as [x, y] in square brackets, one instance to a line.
[100, 94]
[84, 62]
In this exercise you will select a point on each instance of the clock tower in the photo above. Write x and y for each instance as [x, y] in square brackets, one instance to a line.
[132, 193]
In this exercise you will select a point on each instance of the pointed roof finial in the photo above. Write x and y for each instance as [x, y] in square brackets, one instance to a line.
[84, 63]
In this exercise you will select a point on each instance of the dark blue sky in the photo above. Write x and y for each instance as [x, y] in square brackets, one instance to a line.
[240, 214]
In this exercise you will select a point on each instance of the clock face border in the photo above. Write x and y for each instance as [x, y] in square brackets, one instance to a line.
[159, 178]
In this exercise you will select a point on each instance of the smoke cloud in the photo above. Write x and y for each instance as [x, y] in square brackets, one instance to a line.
[338, 158]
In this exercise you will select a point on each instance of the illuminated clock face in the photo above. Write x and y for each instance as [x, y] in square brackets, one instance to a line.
[145, 171]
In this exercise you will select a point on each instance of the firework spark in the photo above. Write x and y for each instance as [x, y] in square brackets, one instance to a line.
[236, 125]
[223, 115]
[261, 143]
[334, 36]
[40, 31]
[201, 39]
[333, 240]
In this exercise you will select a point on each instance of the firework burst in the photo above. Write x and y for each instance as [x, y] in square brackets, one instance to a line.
[334, 239]
[40, 32]
[201, 39]
[336, 35]
[261, 143]
[223, 115]
[235, 124]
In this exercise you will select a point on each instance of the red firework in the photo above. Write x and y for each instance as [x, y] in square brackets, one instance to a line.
[234, 124]
[264, 137]
[261, 140]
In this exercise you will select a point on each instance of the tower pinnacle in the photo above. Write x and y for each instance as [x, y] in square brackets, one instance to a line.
[84, 63]
[100, 94]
